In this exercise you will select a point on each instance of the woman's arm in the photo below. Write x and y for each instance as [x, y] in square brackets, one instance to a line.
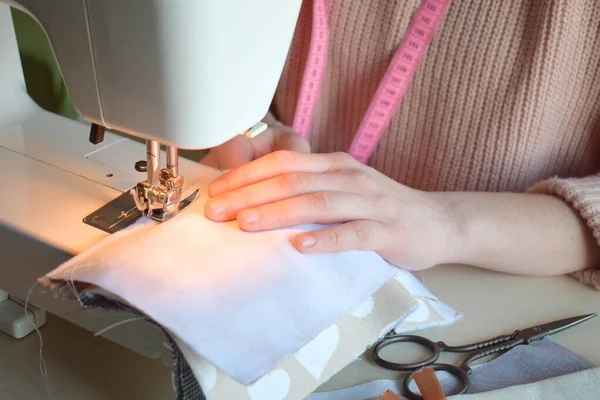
[532, 234]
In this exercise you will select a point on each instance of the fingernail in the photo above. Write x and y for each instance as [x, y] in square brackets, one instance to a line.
[308, 240]
[217, 206]
[250, 216]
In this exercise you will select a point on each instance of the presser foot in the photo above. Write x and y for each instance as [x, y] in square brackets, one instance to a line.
[123, 212]
[161, 201]
[158, 197]
[165, 214]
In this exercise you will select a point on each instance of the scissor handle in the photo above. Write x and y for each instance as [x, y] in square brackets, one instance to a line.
[479, 345]
[432, 346]
[457, 372]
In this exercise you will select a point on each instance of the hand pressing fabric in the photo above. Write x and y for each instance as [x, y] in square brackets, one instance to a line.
[509, 232]
[370, 211]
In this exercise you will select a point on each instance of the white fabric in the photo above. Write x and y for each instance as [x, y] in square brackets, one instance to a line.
[583, 385]
[244, 301]
[445, 315]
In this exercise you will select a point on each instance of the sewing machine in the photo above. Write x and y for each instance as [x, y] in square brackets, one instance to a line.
[174, 73]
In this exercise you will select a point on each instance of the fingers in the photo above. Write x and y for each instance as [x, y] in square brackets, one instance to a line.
[278, 163]
[355, 235]
[210, 160]
[226, 207]
[240, 150]
[319, 207]
[290, 140]
[235, 152]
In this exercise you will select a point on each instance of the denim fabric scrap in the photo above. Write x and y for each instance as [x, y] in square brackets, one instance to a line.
[185, 384]
[524, 364]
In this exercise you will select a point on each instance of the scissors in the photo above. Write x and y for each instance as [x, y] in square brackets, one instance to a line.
[499, 344]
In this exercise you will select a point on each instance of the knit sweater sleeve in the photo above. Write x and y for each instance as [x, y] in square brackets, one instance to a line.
[583, 194]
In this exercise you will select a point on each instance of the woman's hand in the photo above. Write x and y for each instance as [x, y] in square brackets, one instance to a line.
[241, 149]
[405, 226]
[530, 234]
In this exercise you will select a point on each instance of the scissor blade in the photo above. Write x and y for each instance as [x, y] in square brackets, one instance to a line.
[540, 331]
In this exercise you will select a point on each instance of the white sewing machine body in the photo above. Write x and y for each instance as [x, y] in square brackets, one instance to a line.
[186, 74]
[190, 74]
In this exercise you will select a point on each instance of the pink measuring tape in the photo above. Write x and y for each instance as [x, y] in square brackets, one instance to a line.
[391, 90]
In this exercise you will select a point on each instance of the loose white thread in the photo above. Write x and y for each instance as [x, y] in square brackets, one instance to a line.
[43, 369]
[119, 323]
[42, 362]
[71, 281]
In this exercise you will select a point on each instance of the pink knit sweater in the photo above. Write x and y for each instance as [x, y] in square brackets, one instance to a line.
[506, 99]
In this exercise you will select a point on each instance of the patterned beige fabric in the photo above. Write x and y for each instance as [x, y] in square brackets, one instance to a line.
[333, 349]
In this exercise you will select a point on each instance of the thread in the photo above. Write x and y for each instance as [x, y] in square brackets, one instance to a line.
[71, 281]
[119, 323]
[71, 284]
[42, 362]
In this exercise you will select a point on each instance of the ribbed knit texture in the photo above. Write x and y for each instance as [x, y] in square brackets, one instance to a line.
[583, 195]
[508, 95]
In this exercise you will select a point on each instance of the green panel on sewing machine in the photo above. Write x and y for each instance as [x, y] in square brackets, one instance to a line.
[42, 74]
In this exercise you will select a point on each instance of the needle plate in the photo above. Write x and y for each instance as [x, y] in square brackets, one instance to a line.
[121, 212]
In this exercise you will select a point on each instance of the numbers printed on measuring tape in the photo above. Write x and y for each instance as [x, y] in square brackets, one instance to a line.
[402, 68]
[392, 87]
[415, 44]
[390, 92]
[431, 7]
[408, 56]
[397, 77]
[420, 32]
[385, 103]
[314, 70]
[396, 80]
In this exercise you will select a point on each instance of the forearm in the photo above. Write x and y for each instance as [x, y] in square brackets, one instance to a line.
[528, 234]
